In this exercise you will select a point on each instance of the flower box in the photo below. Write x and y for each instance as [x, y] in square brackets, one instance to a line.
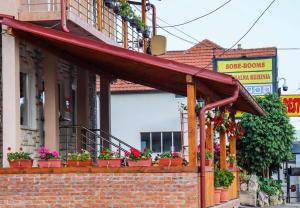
[140, 163]
[20, 163]
[163, 162]
[49, 163]
[113, 163]
[79, 163]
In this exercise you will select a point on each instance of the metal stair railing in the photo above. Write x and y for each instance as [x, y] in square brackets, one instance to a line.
[75, 138]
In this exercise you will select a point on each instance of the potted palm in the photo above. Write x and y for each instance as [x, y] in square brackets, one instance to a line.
[169, 159]
[231, 161]
[107, 158]
[19, 159]
[217, 184]
[226, 180]
[82, 159]
[48, 159]
[138, 158]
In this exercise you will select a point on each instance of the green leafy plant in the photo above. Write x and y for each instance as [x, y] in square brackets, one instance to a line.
[82, 156]
[231, 159]
[107, 154]
[20, 155]
[170, 155]
[125, 9]
[139, 23]
[244, 177]
[270, 186]
[217, 177]
[208, 155]
[267, 140]
[226, 178]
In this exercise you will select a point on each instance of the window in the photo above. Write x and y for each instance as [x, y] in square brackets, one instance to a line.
[160, 142]
[24, 106]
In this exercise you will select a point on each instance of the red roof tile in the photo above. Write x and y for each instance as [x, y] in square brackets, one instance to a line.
[200, 55]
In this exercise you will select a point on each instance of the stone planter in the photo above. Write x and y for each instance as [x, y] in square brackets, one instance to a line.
[49, 163]
[79, 163]
[21, 163]
[224, 195]
[217, 195]
[140, 163]
[113, 163]
[163, 162]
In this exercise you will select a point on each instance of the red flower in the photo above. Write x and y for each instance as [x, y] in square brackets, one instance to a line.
[21, 149]
[175, 154]
[135, 152]
[127, 154]
[9, 148]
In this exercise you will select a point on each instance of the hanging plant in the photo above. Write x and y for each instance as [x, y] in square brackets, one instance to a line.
[239, 131]
[125, 10]
[220, 121]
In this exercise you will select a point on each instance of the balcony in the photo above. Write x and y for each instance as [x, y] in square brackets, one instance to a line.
[86, 18]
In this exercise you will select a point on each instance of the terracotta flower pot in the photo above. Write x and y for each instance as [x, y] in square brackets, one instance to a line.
[140, 163]
[163, 162]
[79, 163]
[208, 162]
[218, 195]
[21, 163]
[114, 163]
[224, 195]
[231, 165]
[49, 163]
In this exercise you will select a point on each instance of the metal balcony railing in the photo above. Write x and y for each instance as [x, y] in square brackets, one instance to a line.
[75, 138]
[95, 14]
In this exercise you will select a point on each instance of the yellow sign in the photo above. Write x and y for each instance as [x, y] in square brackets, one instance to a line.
[245, 65]
[253, 77]
[292, 103]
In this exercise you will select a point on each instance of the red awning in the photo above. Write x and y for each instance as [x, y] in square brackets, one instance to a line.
[117, 62]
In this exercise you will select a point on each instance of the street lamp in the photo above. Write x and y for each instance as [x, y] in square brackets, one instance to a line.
[284, 86]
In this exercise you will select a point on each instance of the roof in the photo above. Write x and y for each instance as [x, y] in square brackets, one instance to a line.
[201, 55]
[119, 63]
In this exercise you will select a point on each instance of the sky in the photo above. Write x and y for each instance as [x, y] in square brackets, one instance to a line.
[279, 27]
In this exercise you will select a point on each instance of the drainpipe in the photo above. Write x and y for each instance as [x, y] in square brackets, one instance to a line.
[207, 107]
[153, 19]
[63, 18]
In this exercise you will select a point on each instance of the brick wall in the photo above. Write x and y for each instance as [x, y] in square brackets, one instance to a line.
[105, 190]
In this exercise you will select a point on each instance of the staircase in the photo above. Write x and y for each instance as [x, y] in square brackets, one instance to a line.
[75, 138]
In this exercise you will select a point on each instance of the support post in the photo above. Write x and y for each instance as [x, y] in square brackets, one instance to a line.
[232, 142]
[144, 18]
[11, 94]
[99, 15]
[125, 33]
[51, 103]
[105, 122]
[191, 102]
[223, 162]
[209, 138]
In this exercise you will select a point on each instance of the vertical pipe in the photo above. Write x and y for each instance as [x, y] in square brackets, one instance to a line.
[153, 19]
[209, 106]
[63, 18]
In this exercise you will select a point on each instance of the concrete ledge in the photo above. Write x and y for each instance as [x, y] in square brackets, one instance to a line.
[230, 204]
[152, 169]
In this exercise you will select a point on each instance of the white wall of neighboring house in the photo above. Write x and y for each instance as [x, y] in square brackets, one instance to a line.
[149, 111]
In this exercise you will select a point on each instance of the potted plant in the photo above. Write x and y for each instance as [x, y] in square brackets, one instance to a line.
[19, 159]
[109, 3]
[109, 159]
[125, 10]
[48, 159]
[82, 159]
[169, 159]
[146, 33]
[217, 184]
[139, 24]
[208, 158]
[138, 158]
[231, 160]
[226, 180]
